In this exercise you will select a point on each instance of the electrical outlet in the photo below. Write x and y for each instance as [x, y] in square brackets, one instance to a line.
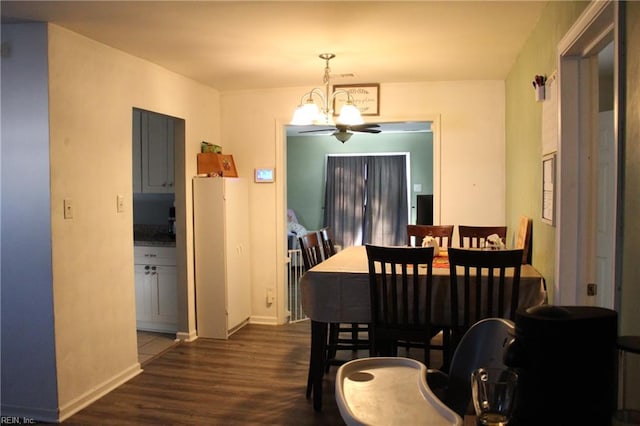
[68, 209]
[592, 289]
[120, 204]
[270, 296]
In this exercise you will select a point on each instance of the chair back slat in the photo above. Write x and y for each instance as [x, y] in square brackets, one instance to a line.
[476, 236]
[442, 233]
[495, 291]
[311, 248]
[523, 238]
[328, 246]
[400, 288]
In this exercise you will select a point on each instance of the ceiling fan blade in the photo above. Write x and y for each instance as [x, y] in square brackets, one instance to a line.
[332, 129]
[367, 130]
[363, 127]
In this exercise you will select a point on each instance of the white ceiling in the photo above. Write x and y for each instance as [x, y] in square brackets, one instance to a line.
[237, 45]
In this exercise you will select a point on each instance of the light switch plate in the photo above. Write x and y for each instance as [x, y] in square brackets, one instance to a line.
[120, 204]
[68, 209]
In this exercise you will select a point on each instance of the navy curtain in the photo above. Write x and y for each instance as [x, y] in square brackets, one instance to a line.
[345, 198]
[366, 199]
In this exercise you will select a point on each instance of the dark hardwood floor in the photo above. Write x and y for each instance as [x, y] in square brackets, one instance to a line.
[258, 376]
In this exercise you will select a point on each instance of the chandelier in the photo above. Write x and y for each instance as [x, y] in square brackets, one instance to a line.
[309, 112]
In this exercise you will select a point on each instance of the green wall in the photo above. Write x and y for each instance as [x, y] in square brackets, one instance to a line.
[524, 130]
[306, 167]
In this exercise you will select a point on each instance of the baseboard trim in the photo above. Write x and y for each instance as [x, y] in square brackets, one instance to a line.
[98, 392]
[263, 320]
[187, 336]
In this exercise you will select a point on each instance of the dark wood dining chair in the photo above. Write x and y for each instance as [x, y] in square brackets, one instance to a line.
[476, 236]
[358, 334]
[523, 238]
[328, 246]
[312, 254]
[484, 284]
[311, 248]
[401, 287]
[415, 234]
[442, 233]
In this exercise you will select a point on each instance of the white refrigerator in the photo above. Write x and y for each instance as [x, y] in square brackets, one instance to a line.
[222, 255]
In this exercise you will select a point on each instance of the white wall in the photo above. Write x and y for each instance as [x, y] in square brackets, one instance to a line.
[28, 357]
[92, 90]
[472, 149]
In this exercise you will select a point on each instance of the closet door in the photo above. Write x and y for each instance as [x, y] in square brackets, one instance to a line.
[238, 258]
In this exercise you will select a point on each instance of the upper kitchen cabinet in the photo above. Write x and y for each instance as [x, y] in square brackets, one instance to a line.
[153, 147]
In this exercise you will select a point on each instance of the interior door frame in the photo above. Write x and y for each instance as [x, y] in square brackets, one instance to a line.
[281, 197]
[597, 26]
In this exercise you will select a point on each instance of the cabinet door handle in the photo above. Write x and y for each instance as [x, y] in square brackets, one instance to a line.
[158, 297]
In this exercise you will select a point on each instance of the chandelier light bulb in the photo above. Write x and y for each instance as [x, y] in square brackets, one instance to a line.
[350, 115]
[306, 113]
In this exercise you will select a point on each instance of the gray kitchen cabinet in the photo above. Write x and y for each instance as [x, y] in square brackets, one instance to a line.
[156, 289]
[153, 152]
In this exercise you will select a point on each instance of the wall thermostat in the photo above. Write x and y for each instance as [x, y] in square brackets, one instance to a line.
[264, 175]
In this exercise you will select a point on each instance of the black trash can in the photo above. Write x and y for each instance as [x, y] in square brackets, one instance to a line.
[566, 357]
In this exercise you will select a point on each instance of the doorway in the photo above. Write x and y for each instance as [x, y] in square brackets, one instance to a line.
[310, 212]
[156, 138]
[587, 238]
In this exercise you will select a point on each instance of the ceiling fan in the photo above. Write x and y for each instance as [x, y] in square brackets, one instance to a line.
[310, 113]
[343, 132]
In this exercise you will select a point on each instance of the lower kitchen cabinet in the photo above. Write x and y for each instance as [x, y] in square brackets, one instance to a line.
[156, 290]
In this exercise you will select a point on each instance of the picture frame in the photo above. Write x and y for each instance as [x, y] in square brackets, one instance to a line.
[366, 98]
[227, 165]
[548, 188]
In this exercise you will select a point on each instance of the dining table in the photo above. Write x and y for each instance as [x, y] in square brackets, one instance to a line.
[337, 291]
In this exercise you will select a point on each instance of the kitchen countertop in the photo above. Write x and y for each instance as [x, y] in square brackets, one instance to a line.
[152, 236]
[141, 243]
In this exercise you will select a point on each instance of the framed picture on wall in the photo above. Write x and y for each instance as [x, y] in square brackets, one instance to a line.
[366, 98]
[548, 188]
